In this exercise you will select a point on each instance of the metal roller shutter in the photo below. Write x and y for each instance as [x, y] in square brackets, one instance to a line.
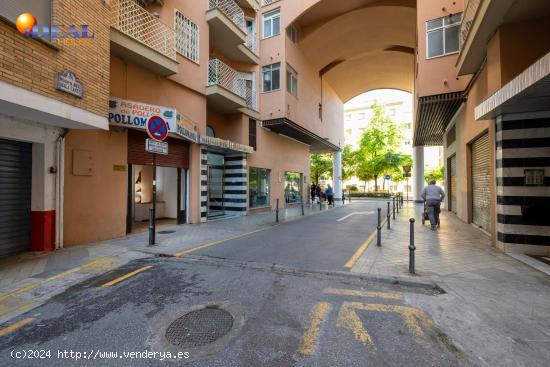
[178, 151]
[452, 183]
[15, 196]
[481, 196]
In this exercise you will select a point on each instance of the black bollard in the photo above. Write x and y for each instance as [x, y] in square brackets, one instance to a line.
[388, 216]
[412, 248]
[393, 207]
[320, 203]
[302, 202]
[398, 203]
[349, 197]
[151, 227]
[379, 228]
[277, 212]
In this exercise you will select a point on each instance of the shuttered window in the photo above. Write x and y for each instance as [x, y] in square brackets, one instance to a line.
[481, 196]
[178, 151]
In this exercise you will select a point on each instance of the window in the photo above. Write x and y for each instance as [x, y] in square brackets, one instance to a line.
[361, 116]
[291, 81]
[348, 116]
[292, 33]
[210, 131]
[187, 37]
[252, 133]
[272, 23]
[271, 77]
[258, 187]
[293, 187]
[442, 35]
[392, 112]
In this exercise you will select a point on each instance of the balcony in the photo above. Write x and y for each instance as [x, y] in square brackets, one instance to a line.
[251, 4]
[228, 31]
[141, 38]
[227, 92]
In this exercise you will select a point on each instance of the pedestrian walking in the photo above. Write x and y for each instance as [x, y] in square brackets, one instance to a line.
[318, 192]
[330, 194]
[433, 195]
[313, 192]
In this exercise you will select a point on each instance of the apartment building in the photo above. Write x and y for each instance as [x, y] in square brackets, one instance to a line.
[243, 105]
[482, 92]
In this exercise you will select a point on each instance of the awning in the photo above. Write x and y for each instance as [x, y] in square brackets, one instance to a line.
[433, 115]
[528, 92]
[294, 131]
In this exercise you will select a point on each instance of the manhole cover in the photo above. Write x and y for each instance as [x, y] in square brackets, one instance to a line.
[166, 232]
[200, 327]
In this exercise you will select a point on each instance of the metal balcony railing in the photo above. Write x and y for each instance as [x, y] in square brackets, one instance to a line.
[268, 2]
[136, 22]
[251, 42]
[221, 74]
[251, 100]
[468, 19]
[231, 9]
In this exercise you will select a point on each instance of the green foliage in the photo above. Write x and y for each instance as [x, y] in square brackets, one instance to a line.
[436, 174]
[349, 162]
[321, 164]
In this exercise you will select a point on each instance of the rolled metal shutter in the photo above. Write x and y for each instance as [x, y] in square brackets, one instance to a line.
[15, 196]
[481, 196]
[452, 183]
[178, 151]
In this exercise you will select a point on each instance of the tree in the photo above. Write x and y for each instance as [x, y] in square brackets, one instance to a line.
[349, 162]
[376, 155]
[435, 174]
[321, 164]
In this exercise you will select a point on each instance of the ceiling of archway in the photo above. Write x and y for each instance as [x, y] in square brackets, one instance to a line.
[360, 45]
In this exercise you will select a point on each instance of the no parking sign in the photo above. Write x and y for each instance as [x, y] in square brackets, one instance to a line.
[157, 128]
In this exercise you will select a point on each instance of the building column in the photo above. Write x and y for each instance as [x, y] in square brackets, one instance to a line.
[337, 175]
[418, 172]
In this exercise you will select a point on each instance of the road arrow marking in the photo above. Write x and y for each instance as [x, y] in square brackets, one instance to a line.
[355, 213]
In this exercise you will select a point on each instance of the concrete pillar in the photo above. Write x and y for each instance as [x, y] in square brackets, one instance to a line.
[418, 172]
[337, 175]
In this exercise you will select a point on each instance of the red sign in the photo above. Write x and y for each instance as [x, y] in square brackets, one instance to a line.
[157, 128]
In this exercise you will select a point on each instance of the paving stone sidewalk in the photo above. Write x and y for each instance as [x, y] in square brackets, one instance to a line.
[496, 308]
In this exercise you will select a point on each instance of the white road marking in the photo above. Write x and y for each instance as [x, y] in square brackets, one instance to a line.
[355, 213]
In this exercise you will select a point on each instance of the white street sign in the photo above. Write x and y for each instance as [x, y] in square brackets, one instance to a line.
[159, 147]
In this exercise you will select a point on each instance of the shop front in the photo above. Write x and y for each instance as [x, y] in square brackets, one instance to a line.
[293, 188]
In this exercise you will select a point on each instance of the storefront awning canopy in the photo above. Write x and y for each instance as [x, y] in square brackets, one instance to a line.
[294, 131]
[528, 92]
[433, 115]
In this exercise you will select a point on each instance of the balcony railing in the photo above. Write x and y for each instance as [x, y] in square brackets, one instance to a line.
[251, 42]
[268, 2]
[251, 100]
[221, 74]
[468, 19]
[231, 9]
[136, 22]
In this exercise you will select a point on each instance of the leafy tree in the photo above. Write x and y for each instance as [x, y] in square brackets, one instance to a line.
[436, 174]
[349, 162]
[321, 164]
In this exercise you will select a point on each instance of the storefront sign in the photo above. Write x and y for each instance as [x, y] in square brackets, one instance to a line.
[158, 147]
[67, 82]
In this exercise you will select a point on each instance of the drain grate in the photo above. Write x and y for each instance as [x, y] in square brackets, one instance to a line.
[199, 328]
[166, 232]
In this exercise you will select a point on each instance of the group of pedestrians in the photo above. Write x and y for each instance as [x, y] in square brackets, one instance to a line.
[318, 194]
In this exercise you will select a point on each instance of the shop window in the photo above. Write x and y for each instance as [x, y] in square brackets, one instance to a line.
[259, 187]
[272, 23]
[252, 133]
[442, 35]
[293, 187]
[271, 77]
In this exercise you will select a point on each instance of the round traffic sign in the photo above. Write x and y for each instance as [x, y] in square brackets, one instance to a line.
[157, 128]
[388, 177]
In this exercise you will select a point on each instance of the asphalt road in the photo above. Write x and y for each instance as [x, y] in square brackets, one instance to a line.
[291, 303]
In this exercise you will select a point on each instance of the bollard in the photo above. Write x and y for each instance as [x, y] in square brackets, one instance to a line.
[320, 203]
[277, 212]
[379, 228]
[398, 203]
[412, 248]
[302, 202]
[151, 228]
[349, 197]
[388, 216]
[393, 207]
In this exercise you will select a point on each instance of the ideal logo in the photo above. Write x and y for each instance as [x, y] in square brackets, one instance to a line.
[73, 35]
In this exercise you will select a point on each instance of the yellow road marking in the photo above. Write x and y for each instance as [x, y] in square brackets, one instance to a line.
[70, 271]
[124, 277]
[351, 262]
[15, 326]
[210, 244]
[22, 290]
[358, 293]
[317, 315]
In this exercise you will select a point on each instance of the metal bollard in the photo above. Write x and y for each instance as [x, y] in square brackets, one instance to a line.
[379, 228]
[388, 216]
[412, 248]
[277, 212]
[393, 207]
[320, 203]
[349, 197]
[398, 203]
[302, 202]
[151, 228]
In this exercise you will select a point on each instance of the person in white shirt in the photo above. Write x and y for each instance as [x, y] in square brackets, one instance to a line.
[433, 195]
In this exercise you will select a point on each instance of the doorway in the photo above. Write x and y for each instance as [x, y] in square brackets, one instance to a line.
[215, 191]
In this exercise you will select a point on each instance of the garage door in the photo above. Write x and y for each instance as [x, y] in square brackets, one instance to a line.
[481, 196]
[15, 196]
[451, 164]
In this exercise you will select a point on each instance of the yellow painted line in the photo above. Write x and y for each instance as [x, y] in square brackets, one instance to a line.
[317, 316]
[70, 271]
[358, 293]
[15, 326]
[210, 244]
[361, 250]
[22, 290]
[124, 277]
